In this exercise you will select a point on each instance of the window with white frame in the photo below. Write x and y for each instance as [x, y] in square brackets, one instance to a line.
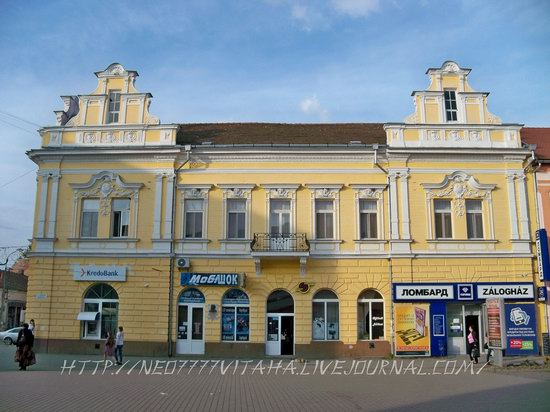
[236, 218]
[451, 111]
[324, 219]
[443, 219]
[102, 300]
[370, 315]
[235, 316]
[121, 217]
[325, 316]
[194, 216]
[114, 106]
[368, 219]
[474, 219]
[90, 213]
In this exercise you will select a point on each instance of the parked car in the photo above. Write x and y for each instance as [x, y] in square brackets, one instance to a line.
[10, 336]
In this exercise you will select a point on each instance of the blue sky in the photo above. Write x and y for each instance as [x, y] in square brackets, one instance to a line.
[295, 61]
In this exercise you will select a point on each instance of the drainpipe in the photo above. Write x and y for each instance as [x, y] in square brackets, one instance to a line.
[172, 250]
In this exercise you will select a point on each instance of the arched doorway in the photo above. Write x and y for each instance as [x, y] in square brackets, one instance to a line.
[280, 324]
[190, 322]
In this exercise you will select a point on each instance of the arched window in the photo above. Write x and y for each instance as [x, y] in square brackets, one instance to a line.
[235, 316]
[325, 317]
[280, 301]
[100, 311]
[370, 315]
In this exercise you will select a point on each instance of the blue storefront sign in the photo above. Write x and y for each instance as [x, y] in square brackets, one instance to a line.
[211, 279]
[521, 329]
[541, 293]
[432, 292]
[542, 254]
[465, 291]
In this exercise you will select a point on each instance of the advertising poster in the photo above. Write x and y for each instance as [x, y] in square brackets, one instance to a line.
[495, 323]
[243, 330]
[521, 329]
[412, 329]
[228, 323]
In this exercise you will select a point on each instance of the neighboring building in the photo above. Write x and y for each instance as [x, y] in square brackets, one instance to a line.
[13, 298]
[306, 240]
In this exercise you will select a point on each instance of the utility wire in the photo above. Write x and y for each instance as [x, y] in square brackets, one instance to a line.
[19, 118]
[19, 127]
[16, 178]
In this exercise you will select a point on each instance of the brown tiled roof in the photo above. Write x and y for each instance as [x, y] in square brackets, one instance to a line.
[539, 136]
[280, 133]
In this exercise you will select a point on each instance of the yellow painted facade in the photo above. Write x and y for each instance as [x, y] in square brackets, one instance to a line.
[426, 158]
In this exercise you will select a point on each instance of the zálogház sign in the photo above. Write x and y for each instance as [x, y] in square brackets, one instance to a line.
[101, 273]
[210, 279]
[506, 291]
[424, 292]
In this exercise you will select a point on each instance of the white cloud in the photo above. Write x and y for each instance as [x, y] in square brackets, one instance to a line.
[355, 8]
[311, 105]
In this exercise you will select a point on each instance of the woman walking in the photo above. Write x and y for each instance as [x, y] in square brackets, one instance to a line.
[473, 348]
[24, 354]
[109, 351]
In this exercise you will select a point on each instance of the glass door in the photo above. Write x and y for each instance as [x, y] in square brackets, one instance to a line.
[273, 338]
[279, 224]
[190, 329]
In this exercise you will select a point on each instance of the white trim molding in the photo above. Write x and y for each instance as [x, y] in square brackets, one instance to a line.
[371, 192]
[236, 191]
[193, 245]
[328, 192]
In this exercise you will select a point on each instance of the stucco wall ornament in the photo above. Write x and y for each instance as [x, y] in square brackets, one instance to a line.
[458, 187]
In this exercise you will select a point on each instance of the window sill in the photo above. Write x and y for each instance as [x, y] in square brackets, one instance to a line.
[326, 340]
[193, 240]
[103, 239]
[325, 241]
[461, 240]
[370, 241]
[235, 240]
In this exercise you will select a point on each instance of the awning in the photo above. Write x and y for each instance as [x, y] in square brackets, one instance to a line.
[88, 316]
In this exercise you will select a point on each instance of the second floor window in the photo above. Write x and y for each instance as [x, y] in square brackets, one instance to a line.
[88, 225]
[451, 112]
[114, 106]
[324, 219]
[443, 219]
[193, 218]
[474, 219]
[236, 218]
[368, 219]
[121, 217]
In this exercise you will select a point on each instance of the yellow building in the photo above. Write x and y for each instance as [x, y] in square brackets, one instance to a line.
[276, 239]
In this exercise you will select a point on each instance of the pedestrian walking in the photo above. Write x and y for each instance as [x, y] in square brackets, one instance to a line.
[32, 326]
[109, 350]
[24, 354]
[473, 346]
[119, 345]
[489, 350]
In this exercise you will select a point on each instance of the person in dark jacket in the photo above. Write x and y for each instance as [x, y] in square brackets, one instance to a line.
[25, 342]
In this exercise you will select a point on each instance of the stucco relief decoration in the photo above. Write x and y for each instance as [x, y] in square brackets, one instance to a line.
[195, 193]
[325, 193]
[238, 193]
[279, 193]
[117, 70]
[458, 187]
[455, 136]
[105, 186]
[434, 135]
[110, 138]
[370, 193]
[451, 67]
[90, 138]
[131, 137]
[475, 136]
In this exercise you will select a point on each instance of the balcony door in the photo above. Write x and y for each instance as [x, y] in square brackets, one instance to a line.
[279, 224]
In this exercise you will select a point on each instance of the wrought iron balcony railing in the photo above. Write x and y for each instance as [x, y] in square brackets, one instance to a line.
[283, 242]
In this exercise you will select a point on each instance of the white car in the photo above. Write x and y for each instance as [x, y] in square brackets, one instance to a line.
[10, 336]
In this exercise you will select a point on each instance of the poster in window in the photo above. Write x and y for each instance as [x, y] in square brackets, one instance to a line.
[243, 317]
[228, 323]
[319, 328]
[412, 329]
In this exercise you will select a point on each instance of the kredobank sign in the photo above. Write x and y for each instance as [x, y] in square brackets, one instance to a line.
[101, 273]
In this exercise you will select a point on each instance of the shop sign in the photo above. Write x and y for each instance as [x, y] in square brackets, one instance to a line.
[465, 291]
[424, 292]
[99, 273]
[211, 279]
[495, 323]
[521, 329]
[505, 291]
[412, 329]
[541, 293]
[438, 326]
[542, 254]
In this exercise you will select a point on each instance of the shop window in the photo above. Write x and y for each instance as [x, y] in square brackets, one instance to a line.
[235, 316]
[114, 106]
[236, 218]
[194, 212]
[451, 111]
[368, 219]
[121, 217]
[370, 315]
[443, 219]
[325, 316]
[324, 219]
[90, 212]
[474, 219]
[101, 307]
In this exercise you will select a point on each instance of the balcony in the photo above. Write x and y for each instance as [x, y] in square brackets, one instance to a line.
[265, 245]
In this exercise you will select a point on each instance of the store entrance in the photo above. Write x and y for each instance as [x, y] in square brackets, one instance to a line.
[280, 324]
[459, 319]
[190, 330]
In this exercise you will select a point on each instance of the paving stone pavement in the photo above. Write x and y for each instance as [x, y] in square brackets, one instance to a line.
[181, 384]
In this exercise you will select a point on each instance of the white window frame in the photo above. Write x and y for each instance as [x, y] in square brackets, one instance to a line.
[100, 302]
[476, 213]
[325, 302]
[128, 212]
[445, 110]
[243, 192]
[112, 112]
[370, 302]
[185, 217]
[280, 192]
[325, 192]
[82, 211]
[435, 218]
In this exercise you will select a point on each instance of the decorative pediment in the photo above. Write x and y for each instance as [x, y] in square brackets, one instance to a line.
[325, 191]
[369, 191]
[195, 191]
[281, 191]
[105, 186]
[237, 191]
[458, 186]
